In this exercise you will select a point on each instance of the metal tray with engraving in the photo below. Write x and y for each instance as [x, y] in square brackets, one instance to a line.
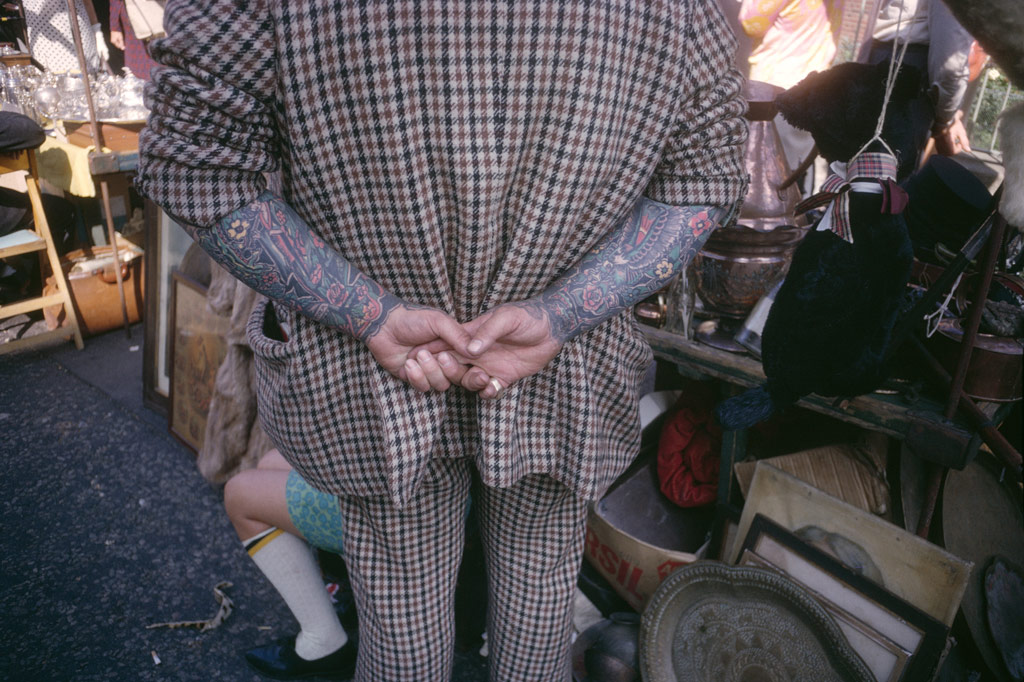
[711, 622]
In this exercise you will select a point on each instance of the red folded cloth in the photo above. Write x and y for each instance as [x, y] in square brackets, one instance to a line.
[689, 455]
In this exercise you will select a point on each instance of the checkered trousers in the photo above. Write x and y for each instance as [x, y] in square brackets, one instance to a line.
[403, 562]
[463, 154]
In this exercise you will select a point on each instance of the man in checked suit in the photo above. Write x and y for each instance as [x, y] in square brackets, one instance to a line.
[475, 194]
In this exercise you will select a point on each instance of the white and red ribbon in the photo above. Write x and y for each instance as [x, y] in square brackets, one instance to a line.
[871, 173]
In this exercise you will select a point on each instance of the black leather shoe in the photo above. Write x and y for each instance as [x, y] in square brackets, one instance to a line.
[279, 660]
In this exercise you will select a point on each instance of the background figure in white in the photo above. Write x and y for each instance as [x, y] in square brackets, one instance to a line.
[51, 41]
[938, 46]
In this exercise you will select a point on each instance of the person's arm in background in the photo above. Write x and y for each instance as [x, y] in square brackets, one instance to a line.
[210, 137]
[117, 24]
[949, 47]
[97, 29]
[699, 181]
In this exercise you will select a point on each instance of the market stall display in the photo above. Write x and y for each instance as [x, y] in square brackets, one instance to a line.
[82, 105]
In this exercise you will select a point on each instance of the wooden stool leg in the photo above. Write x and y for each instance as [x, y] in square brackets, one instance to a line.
[43, 228]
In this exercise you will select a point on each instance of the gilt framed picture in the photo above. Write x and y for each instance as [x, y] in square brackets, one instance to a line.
[198, 346]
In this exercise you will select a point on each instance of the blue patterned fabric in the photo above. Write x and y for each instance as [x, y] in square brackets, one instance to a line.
[315, 514]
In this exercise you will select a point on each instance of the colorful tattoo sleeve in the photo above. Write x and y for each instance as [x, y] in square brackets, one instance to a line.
[270, 248]
[650, 247]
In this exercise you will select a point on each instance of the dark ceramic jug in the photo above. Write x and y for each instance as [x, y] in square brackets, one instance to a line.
[607, 651]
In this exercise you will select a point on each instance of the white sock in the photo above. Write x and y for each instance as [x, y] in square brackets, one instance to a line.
[290, 567]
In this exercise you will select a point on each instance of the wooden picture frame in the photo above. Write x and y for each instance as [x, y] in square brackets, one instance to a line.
[896, 640]
[198, 346]
[165, 245]
[915, 570]
[723, 531]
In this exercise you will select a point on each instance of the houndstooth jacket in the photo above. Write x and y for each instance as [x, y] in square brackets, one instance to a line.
[463, 153]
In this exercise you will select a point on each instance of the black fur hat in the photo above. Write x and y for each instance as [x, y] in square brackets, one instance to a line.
[947, 204]
[840, 108]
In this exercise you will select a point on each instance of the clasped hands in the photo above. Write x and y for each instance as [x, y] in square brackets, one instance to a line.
[431, 350]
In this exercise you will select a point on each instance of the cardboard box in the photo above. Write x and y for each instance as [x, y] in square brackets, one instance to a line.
[636, 536]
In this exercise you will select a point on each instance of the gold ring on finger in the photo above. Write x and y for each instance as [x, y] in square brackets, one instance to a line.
[499, 388]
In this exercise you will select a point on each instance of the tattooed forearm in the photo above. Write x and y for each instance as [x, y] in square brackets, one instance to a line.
[271, 249]
[650, 247]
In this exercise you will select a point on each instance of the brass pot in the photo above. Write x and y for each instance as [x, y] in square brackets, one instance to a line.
[738, 264]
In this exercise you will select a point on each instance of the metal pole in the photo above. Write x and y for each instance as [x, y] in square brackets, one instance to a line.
[995, 242]
[97, 139]
[986, 427]
[980, 97]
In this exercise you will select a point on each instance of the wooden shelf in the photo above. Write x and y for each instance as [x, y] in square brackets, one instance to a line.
[888, 414]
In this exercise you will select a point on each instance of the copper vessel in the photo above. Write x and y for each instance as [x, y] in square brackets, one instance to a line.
[653, 310]
[765, 206]
[739, 262]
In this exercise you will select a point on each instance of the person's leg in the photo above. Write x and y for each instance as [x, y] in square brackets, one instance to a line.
[403, 565]
[255, 498]
[256, 501]
[533, 536]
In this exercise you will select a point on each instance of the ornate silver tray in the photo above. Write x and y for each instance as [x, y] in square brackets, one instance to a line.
[711, 622]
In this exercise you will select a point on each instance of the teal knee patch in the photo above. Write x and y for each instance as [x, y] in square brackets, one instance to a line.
[315, 514]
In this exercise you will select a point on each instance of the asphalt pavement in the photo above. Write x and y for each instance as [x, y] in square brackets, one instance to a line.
[108, 529]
